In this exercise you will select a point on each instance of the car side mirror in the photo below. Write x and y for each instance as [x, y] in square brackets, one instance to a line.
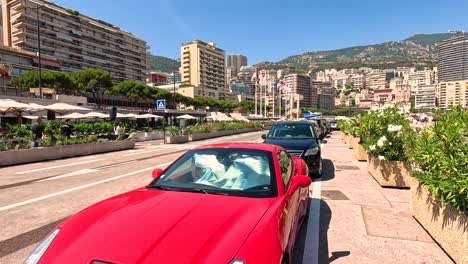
[156, 173]
[264, 136]
[298, 181]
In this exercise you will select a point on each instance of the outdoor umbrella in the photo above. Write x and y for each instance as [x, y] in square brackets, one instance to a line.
[95, 115]
[71, 116]
[186, 117]
[120, 115]
[8, 105]
[64, 107]
[148, 116]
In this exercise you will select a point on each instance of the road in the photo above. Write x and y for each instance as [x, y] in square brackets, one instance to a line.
[35, 197]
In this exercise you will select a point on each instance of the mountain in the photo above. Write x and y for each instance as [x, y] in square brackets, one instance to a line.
[163, 64]
[419, 50]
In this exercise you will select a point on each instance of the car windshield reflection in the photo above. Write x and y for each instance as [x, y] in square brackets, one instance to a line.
[240, 172]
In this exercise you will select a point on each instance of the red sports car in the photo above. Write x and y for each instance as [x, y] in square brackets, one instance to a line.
[226, 203]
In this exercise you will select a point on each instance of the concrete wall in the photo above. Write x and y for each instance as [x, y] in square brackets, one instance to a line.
[389, 173]
[13, 157]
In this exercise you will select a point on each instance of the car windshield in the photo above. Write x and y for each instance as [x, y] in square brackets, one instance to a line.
[240, 172]
[289, 131]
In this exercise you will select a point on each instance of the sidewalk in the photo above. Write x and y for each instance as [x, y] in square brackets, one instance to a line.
[361, 222]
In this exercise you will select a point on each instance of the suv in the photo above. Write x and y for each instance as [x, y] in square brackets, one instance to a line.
[299, 139]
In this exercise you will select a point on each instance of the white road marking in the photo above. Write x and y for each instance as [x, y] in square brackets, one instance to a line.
[140, 152]
[311, 247]
[77, 188]
[58, 166]
[75, 173]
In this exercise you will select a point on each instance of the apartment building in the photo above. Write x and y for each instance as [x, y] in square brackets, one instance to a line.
[425, 96]
[322, 95]
[78, 41]
[203, 66]
[300, 84]
[233, 63]
[377, 79]
[155, 78]
[14, 62]
[453, 93]
[453, 59]
[358, 81]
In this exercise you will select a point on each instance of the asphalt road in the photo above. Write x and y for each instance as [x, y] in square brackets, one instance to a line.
[35, 197]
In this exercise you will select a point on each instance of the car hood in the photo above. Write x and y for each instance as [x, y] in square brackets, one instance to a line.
[293, 144]
[154, 226]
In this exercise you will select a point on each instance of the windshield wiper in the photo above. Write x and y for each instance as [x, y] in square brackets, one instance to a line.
[161, 187]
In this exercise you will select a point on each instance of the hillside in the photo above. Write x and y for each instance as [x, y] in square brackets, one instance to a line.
[418, 50]
[163, 64]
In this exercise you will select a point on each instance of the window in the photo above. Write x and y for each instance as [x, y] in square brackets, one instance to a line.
[285, 164]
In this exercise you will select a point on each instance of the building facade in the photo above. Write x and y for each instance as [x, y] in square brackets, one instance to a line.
[453, 59]
[158, 78]
[453, 93]
[203, 66]
[236, 61]
[14, 62]
[322, 95]
[300, 84]
[78, 41]
[425, 96]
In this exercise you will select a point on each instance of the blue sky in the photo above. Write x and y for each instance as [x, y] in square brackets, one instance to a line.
[268, 30]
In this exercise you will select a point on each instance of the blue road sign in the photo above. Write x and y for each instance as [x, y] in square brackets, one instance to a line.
[161, 104]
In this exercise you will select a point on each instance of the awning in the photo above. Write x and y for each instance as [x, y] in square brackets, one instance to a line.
[120, 115]
[9, 105]
[148, 116]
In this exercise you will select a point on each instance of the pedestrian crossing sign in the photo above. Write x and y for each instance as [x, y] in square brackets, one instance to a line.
[161, 104]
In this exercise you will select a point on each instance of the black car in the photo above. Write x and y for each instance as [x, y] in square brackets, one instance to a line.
[299, 139]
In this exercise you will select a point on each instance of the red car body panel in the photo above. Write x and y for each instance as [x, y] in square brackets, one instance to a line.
[157, 226]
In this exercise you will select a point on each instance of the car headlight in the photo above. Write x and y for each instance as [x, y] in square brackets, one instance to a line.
[37, 253]
[311, 151]
[237, 261]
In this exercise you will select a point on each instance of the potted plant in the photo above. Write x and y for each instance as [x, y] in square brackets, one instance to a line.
[439, 195]
[176, 135]
[385, 133]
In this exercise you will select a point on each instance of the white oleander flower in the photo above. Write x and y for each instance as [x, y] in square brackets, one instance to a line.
[390, 143]
[381, 157]
[381, 141]
[372, 147]
[393, 128]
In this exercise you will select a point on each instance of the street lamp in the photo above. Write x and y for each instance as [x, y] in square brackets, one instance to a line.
[39, 48]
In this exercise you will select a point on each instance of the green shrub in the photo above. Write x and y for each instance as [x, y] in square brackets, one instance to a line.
[440, 154]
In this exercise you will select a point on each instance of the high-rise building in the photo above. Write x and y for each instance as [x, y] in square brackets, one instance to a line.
[322, 95]
[158, 78]
[377, 79]
[203, 66]
[453, 93]
[453, 59]
[300, 84]
[78, 41]
[236, 61]
[425, 96]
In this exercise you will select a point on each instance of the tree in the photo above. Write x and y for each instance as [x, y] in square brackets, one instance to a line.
[133, 90]
[92, 81]
[59, 81]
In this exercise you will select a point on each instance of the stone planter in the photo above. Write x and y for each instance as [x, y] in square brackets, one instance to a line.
[447, 225]
[202, 136]
[359, 152]
[349, 141]
[389, 173]
[176, 139]
[13, 157]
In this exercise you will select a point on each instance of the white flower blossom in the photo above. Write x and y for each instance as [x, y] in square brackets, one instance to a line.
[381, 157]
[392, 128]
[372, 147]
[381, 141]
[390, 143]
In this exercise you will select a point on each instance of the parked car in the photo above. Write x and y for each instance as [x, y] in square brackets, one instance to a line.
[299, 139]
[226, 203]
[334, 125]
[323, 128]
